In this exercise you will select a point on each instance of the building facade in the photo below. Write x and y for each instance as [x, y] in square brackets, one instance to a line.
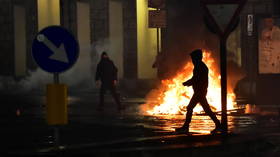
[118, 27]
[259, 88]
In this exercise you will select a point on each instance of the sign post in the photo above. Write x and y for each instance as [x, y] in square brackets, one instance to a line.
[222, 16]
[157, 19]
[55, 50]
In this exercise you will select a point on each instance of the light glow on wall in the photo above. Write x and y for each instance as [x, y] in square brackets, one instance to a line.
[146, 42]
[48, 13]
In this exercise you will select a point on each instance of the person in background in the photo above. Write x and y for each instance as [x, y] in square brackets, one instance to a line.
[106, 72]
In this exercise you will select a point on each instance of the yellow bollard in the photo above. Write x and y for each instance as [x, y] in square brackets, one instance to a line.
[57, 104]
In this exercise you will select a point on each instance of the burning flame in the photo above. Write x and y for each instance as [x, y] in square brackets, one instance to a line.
[172, 97]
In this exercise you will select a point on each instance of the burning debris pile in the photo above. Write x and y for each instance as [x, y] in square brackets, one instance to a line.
[171, 97]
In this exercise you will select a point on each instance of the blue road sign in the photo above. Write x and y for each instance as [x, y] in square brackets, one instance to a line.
[55, 49]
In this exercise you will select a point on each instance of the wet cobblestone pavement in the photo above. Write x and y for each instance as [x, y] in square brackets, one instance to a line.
[24, 129]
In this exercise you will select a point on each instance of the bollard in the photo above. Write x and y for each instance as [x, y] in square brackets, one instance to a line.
[57, 104]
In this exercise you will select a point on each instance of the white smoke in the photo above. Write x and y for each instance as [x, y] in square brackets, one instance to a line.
[102, 45]
[8, 84]
[79, 78]
[36, 81]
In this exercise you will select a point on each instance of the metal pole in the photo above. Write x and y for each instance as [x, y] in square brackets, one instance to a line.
[158, 48]
[56, 128]
[56, 137]
[223, 67]
[157, 40]
[56, 78]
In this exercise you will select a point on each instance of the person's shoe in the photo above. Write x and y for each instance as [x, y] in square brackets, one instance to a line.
[182, 129]
[217, 130]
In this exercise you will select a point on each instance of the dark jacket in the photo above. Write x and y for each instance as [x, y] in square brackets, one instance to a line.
[199, 81]
[106, 71]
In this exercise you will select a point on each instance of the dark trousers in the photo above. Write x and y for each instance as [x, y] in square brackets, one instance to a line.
[200, 98]
[112, 89]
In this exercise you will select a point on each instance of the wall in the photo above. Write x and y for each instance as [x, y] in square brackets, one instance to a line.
[262, 89]
[48, 13]
[20, 40]
[116, 34]
[83, 32]
[99, 15]
[249, 44]
[68, 15]
[130, 40]
[31, 30]
[234, 47]
[146, 42]
[6, 38]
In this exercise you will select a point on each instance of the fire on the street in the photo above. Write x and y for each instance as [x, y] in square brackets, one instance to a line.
[172, 97]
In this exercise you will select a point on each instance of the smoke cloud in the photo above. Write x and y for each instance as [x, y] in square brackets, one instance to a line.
[187, 31]
[79, 78]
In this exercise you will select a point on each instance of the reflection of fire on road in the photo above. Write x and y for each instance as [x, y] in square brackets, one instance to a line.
[171, 97]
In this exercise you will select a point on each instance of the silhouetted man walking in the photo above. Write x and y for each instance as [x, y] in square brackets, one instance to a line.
[199, 82]
[107, 73]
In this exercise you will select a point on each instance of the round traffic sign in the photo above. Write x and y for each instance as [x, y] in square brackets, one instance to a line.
[55, 49]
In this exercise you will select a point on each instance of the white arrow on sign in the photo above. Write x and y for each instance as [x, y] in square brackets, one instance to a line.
[59, 54]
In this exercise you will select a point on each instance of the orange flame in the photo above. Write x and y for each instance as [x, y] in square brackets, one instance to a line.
[172, 97]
